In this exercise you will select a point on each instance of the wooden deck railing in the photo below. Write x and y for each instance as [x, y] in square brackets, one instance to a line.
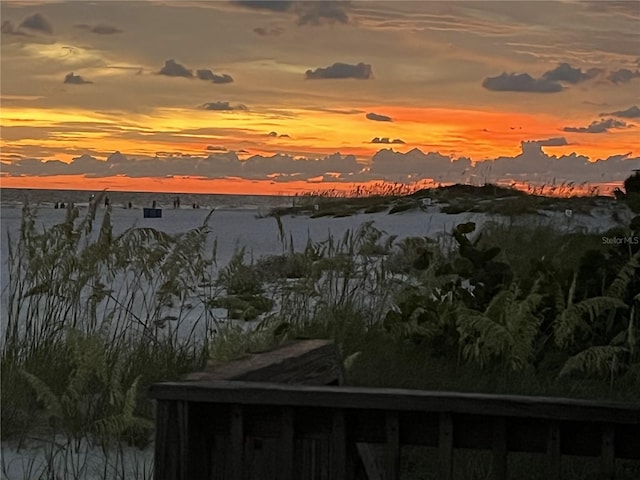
[213, 427]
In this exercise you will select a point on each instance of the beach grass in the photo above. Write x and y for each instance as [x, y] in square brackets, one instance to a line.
[451, 199]
[89, 328]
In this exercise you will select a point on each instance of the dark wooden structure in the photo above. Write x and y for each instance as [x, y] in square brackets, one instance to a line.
[283, 415]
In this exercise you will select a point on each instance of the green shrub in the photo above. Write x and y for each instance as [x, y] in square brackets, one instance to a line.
[239, 278]
[632, 184]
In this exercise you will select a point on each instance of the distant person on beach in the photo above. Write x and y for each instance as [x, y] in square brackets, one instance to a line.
[153, 205]
[130, 205]
[56, 205]
[106, 201]
[177, 202]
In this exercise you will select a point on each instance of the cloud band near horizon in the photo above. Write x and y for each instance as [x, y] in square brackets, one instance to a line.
[531, 165]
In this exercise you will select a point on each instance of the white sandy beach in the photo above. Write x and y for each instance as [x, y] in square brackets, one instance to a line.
[233, 228]
[247, 227]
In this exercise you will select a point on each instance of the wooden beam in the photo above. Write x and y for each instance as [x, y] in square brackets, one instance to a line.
[392, 448]
[445, 447]
[236, 435]
[183, 439]
[287, 444]
[254, 393]
[309, 362]
[554, 459]
[163, 449]
[499, 449]
[338, 446]
[608, 456]
[370, 461]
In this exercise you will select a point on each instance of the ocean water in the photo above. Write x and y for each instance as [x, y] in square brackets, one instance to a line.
[13, 197]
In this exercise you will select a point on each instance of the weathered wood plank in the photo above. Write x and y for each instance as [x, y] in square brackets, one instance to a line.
[219, 455]
[499, 449]
[309, 362]
[554, 458]
[253, 393]
[201, 435]
[182, 410]
[162, 446]
[370, 461]
[392, 448]
[608, 456]
[287, 444]
[236, 437]
[324, 459]
[338, 446]
[445, 447]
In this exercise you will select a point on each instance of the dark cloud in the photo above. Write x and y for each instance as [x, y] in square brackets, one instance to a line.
[523, 82]
[100, 28]
[222, 79]
[378, 118]
[216, 148]
[273, 6]
[601, 126]
[414, 165]
[268, 32]
[275, 134]
[552, 142]
[623, 75]
[322, 12]
[361, 71]
[566, 73]
[308, 12]
[336, 110]
[9, 29]
[37, 22]
[286, 167]
[174, 69]
[631, 112]
[75, 79]
[387, 140]
[596, 104]
[532, 165]
[222, 106]
[206, 74]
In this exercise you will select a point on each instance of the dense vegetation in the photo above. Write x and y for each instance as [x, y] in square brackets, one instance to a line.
[458, 198]
[94, 318]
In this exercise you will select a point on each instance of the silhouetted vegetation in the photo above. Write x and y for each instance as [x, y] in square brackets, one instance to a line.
[95, 318]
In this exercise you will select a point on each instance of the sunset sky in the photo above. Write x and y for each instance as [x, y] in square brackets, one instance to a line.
[284, 96]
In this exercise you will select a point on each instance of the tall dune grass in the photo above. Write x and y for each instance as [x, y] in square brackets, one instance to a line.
[92, 319]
